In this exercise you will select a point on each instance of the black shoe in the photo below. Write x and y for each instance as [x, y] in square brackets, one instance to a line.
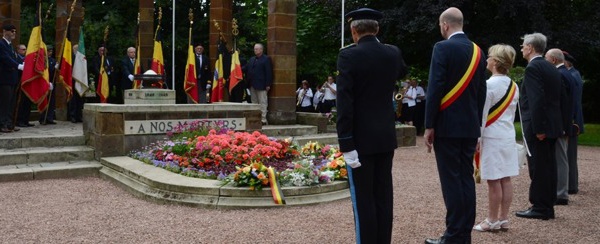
[22, 125]
[561, 201]
[533, 214]
[442, 240]
[573, 192]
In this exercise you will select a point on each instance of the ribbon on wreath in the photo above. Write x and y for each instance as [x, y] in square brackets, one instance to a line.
[275, 189]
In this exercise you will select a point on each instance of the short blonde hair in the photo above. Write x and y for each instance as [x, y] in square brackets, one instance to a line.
[504, 56]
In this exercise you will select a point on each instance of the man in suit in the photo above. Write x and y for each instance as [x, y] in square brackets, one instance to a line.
[9, 73]
[75, 107]
[556, 57]
[25, 106]
[453, 112]
[128, 69]
[542, 125]
[202, 73]
[259, 73]
[578, 125]
[368, 71]
[108, 67]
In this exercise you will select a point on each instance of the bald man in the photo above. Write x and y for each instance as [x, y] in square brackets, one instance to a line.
[557, 58]
[452, 125]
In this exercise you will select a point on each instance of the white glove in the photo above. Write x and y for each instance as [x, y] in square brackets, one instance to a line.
[51, 87]
[130, 77]
[56, 66]
[351, 159]
[20, 67]
[208, 87]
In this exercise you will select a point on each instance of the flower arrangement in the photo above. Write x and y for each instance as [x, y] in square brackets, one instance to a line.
[254, 175]
[209, 151]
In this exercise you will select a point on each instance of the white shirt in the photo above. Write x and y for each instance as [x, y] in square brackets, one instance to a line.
[410, 96]
[306, 98]
[504, 126]
[420, 92]
[318, 98]
[329, 95]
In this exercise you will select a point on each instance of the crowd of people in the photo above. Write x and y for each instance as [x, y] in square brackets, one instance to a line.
[469, 116]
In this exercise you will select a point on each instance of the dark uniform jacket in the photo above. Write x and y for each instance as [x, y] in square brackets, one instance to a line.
[202, 72]
[449, 62]
[367, 74]
[540, 99]
[127, 70]
[8, 64]
[566, 100]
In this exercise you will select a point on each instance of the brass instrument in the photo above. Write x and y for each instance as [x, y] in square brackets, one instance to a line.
[301, 97]
[398, 97]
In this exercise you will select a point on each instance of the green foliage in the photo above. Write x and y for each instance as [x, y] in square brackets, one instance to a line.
[516, 74]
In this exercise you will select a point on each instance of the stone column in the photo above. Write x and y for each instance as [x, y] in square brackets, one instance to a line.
[63, 7]
[146, 32]
[10, 12]
[281, 47]
[220, 10]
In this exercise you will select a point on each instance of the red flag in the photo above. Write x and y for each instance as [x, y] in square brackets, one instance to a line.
[66, 66]
[236, 71]
[218, 83]
[35, 78]
[190, 81]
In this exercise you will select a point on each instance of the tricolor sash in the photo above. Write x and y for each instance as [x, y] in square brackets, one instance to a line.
[275, 189]
[462, 84]
[498, 109]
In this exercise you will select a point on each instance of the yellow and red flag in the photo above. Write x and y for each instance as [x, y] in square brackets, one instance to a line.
[236, 71]
[190, 80]
[66, 66]
[103, 88]
[35, 78]
[218, 82]
[157, 57]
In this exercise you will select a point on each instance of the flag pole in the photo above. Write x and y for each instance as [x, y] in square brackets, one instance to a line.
[173, 48]
[62, 49]
[342, 37]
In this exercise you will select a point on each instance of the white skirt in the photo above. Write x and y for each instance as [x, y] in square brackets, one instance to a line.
[499, 158]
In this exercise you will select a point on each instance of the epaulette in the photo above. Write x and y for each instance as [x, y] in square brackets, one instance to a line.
[348, 46]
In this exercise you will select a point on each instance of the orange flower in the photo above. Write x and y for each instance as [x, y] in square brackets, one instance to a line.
[343, 172]
[265, 182]
[261, 176]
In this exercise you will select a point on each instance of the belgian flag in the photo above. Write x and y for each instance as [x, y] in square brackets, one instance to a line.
[35, 78]
[189, 84]
[158, 63]
[66, 65]
[103, 89]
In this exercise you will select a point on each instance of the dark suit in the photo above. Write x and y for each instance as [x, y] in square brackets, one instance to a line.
[573, 139]
[541, 114]
[367, 74]
[259, 72]
[8, 83]
[203, 74]
[50, 111]
[456, 130]
[128, 69]
[568, 116]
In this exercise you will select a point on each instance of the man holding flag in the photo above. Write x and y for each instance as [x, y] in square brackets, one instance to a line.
[9, 68]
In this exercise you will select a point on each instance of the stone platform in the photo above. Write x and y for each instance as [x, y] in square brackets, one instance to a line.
[159, 185]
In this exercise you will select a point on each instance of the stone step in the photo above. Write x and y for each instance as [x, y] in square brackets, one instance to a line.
[14, 142]
[33, 155]
[56, 170]
[325, 138]
[288, 130]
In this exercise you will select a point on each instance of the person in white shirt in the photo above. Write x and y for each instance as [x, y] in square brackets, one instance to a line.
[330, 91]
[318, 98]
[304, 98]
[409, 102]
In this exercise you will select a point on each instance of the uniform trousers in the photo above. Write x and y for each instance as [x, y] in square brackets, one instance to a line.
[372, 196]
[562, 167]
[7, 105]
[454, 158]
[573, 170]
[542, 171]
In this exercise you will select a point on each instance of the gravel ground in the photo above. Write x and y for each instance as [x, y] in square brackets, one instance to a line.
[92, 210]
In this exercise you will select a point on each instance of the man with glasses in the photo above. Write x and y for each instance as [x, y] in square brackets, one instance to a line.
[25, 105]
[9, 67]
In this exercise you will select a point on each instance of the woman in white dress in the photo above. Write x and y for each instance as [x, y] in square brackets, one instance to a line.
[497, 145]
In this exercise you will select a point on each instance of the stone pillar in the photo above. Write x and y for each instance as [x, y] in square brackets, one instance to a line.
[281, 47]
[146, 32]
[220, 10]
[10, 12]
[63, 7]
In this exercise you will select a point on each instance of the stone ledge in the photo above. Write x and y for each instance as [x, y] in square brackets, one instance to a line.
[129, 108]
[159, 185]
[7, 175]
